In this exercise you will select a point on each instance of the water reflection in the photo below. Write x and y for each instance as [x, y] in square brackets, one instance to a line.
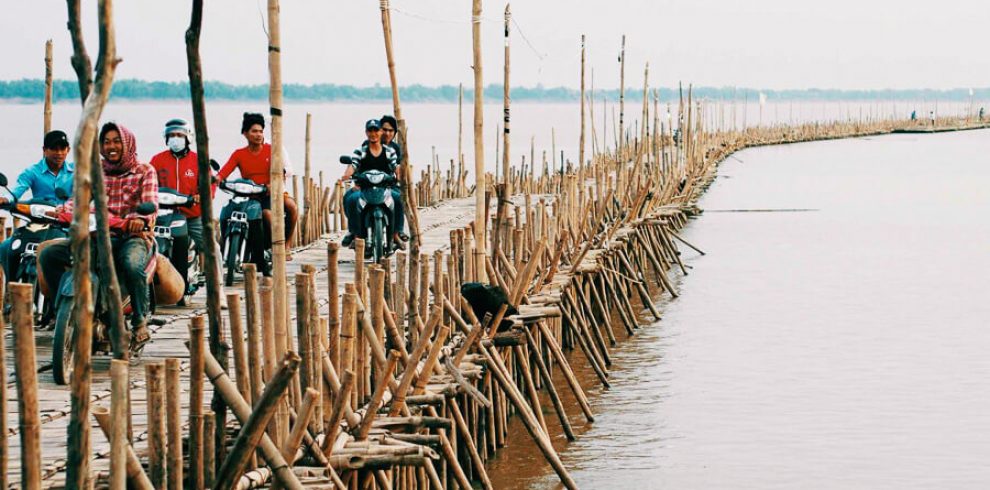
[844, 347]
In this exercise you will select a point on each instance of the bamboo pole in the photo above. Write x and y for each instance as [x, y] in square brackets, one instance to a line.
[240, 349]
[299, 429]
[119, 404]
[277, 183]
[506, 180]
[27, 384]
[376, 399]
[480, 211]
[240, 408]
[154, 375]
[209, 449]
[581, 142]
[196, 371]
[622, 107]
[204, 184]
[136, 478]
[253, 429]
[48, 86]
[174, 420]
[254, 335]
[78, 453]
[305, 228]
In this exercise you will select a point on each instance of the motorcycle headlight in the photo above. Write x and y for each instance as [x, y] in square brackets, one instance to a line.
[40, 210]
[376, 178]
[166, 199]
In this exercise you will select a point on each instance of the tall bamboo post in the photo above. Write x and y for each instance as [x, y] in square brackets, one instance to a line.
[304, 221]
[405, 170]
[154, 374]
[622, 99]
[78, 453]
[581, 142]
[48, 86]
[119, 401]
[506, 177]
[480, 227]
[196, 370]
[277, 175]
[174, 420]
[460, 139]
[204, 186]
[27, 385]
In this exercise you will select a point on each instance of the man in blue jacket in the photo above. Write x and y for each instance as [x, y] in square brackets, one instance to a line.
[50, 173]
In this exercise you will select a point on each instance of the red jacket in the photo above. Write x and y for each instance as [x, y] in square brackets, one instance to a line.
[181, 174]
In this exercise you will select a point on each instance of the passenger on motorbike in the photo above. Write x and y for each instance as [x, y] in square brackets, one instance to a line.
[390, 128]
[373, 155]
[178, 168]
[254, 162]
[128, 183]
[42, 178]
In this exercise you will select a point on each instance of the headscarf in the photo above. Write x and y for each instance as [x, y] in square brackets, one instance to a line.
[128, 159]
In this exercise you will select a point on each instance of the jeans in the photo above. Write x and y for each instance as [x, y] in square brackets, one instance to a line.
[130, 257]
[353, 210]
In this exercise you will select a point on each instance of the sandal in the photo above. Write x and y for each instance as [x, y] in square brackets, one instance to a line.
[140, 336]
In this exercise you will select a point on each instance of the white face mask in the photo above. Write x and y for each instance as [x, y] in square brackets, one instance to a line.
[176, 144]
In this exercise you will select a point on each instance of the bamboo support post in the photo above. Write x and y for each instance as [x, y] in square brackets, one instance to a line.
[173, 391]
[25, 370]
[119, 412]
[196, 371]
[154, 375]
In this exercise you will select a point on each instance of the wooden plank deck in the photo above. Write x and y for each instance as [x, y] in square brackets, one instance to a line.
[167, 341]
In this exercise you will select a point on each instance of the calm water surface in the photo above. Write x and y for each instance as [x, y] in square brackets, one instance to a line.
[844, 347]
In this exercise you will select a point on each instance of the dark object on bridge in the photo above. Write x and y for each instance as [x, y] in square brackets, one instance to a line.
[485, 298]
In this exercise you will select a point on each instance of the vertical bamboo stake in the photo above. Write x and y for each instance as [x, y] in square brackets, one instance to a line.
[460, 138]
[205, 186]
[333, 343]
[505, 107]
[479, 146]
[48, 86]
[622, 102]
[254, 336]
[581, 142]
[119, 415]
[347, 334]
[240, 351]
[174, 419]
[305, 227]
[209, 449]
[27, 385]
[154, 374]
[277, 183]
[196, 366]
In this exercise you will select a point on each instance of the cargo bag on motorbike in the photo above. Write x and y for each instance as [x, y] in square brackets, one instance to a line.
[169, 286]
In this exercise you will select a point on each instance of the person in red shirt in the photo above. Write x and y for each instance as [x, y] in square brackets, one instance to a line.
[178, 169]
[254, 162]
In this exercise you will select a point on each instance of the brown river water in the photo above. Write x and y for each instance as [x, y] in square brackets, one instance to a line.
[844, 346]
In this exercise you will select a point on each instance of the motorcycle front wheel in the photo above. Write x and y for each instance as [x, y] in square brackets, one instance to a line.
[233, 252]
[62, 351]
[378, 239]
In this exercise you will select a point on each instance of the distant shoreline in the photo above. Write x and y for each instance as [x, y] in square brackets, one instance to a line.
[30, 91]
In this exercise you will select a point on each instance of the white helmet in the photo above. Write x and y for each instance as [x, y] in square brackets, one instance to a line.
[178, 126]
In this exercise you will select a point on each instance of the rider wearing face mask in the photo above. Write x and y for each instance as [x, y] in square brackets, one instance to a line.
[178, 168]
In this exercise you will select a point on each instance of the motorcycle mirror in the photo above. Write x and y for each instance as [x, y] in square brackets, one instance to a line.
[3, 180]
[146, 208]
[346, 160]
[214, 165]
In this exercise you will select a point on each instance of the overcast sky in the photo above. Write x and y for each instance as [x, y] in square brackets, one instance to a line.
[774, 44]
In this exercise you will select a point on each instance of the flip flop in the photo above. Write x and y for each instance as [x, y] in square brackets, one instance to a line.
[140, 336]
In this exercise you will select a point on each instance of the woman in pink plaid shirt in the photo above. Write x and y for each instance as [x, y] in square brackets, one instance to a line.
[128, 183]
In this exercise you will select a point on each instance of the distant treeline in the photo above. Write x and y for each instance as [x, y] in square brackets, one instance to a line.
[33, 90]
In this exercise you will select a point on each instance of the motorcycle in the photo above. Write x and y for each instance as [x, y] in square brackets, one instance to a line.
[376, 207]
[242, 208]
[172, 236]
[23, 260]
[65, 303]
